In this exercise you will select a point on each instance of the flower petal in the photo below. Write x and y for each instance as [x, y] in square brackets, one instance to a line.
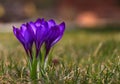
[32, 26]
[55, 37]
[41, 36]
[55, 34]
[62, 27]
[18, 34]
[51, 23]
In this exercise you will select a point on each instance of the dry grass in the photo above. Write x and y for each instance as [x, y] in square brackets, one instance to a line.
[79, 58]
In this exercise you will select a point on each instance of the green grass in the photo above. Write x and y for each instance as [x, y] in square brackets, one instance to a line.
[81, 57]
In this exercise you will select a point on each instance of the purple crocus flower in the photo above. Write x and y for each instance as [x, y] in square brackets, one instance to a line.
[25, 37]
[54, 35]
[40, 31]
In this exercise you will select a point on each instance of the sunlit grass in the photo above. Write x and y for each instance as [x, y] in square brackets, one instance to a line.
[79, 58]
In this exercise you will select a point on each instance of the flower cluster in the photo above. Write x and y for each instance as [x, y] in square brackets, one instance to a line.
[39, 32]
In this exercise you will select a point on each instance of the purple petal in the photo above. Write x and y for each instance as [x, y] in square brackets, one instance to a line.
[39, 22]
[45, 24]
[23, 27]
[31, 30]
[62, 27]
[24, 36]
[27, 36]
[60, 31]
[51, 23]
[41, 35]
[18, 34]
[55, 34]
[32, 26]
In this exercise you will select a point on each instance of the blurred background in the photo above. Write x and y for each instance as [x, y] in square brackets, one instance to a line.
[76, 13]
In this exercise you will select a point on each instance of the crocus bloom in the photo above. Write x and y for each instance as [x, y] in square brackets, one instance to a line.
[25, 37]
[39, 32]
[54, 35]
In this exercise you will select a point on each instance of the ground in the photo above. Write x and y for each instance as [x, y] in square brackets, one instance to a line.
[81, 57]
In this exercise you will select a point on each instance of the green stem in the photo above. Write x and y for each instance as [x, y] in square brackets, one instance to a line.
[33, 70]
[45, 63]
